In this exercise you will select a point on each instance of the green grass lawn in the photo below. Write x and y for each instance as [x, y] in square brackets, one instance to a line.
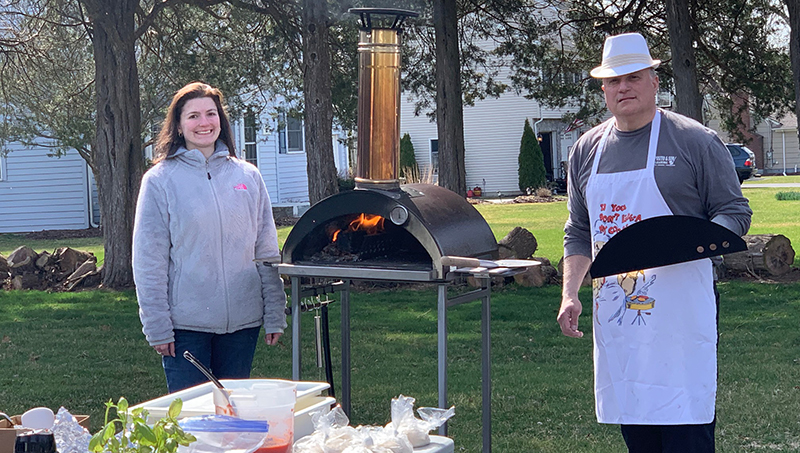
[772, 179]
[80, 349]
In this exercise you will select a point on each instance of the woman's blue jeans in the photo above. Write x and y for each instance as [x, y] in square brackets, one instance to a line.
[229, 356]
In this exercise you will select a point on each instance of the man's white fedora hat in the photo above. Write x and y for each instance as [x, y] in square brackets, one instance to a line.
[624, 54]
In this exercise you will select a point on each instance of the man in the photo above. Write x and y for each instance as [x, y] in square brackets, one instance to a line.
[654, 330]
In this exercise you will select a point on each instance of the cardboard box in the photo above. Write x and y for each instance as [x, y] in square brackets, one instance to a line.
[8, 435]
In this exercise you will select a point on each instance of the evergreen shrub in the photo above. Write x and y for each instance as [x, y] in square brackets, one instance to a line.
[782, 196]
[532, 174]
[408, 162]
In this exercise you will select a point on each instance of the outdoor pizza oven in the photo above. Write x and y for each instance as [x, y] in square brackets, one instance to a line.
[383, 225]
[408, 229]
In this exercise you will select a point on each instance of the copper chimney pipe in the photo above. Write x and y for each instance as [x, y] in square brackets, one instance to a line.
[378, 154]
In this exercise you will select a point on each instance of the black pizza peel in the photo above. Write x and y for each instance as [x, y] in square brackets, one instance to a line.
[661, 241]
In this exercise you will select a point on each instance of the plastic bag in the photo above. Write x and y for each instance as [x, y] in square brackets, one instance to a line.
[416, 430]
[386, 440]
[222, 433]
[70, 436]
[332, 433]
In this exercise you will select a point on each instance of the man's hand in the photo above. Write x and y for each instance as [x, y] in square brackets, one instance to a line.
[272, 338]
[575, 268]
[568, 317]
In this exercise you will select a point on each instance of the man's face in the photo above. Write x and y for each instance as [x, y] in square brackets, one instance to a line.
[631, 96]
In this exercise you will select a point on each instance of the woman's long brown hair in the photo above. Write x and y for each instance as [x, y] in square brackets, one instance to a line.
[169, 140]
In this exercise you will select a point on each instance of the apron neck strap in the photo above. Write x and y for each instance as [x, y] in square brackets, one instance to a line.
[655, 128]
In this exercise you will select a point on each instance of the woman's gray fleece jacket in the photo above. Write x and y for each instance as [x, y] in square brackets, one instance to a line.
[199, 226]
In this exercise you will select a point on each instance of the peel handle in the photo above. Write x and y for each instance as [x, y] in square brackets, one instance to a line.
[460, 261]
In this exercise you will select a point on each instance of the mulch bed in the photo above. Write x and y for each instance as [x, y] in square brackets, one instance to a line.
[64, 234]
[519, 199]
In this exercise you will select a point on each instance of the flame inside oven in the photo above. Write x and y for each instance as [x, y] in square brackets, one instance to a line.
[368, 223]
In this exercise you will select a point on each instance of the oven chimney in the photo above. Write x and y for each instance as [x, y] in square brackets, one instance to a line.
[378, 153]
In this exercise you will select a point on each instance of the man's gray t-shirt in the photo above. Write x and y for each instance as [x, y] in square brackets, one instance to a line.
[694, 172]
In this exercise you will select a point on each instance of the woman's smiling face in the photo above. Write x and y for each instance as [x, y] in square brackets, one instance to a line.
[200, 125]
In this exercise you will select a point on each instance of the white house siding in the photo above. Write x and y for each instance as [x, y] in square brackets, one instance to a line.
[285, 174]
[492, 134]
[39, 192]
[293, 178]
[786, 148]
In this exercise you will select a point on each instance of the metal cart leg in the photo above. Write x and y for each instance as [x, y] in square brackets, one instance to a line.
[442, 348]
[486, 365]
[346, 407]
[295, 328]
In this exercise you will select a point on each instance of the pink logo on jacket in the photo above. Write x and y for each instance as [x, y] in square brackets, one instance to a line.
[240, 187]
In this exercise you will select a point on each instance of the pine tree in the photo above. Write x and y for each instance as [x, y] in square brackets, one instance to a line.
[531, 163]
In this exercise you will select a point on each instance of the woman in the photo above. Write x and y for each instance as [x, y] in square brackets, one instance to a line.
[202, 218]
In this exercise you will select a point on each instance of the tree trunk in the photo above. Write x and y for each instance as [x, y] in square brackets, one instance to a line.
[449, 109]
[688, 101]
[117, 159]
[794, 52]
[771, 253]
[322, 180]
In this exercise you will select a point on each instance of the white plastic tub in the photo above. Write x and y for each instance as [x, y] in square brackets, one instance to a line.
[198, 400]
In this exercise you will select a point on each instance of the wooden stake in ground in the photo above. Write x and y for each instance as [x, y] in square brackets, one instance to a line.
[770, 253]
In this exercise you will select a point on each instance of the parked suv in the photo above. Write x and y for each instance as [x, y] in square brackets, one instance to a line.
[744, 159]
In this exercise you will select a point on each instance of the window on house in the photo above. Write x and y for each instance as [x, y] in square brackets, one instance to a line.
[250, 148]
[154, 130]
[290, 134]
[435, 155]
[555, 75]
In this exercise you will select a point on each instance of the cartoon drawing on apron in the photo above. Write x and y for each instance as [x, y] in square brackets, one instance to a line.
[660, 366]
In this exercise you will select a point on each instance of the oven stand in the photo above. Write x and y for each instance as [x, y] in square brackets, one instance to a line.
[443, 303]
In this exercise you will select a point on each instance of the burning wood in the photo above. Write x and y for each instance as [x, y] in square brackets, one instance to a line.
[363, 238]
[368, 223]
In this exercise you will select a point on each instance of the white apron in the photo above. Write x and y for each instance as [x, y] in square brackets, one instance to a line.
[655, 360]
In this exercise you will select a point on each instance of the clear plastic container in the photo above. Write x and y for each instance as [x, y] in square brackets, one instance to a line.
[273, 401]
[223, 433]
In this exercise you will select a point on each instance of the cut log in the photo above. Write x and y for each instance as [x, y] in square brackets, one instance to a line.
[89, 267]
[43, 260]
[521, 241]
[69, 259]
[496, 281]
[770, 253]
[537, 276]
[22, 257]
[26, 280]
[504, 252]
[3, 267]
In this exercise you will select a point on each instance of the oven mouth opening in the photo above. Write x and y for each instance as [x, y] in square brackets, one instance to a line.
[362, 240]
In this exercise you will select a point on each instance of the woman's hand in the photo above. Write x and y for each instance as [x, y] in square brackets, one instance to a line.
[166, 349]
[272, 338]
